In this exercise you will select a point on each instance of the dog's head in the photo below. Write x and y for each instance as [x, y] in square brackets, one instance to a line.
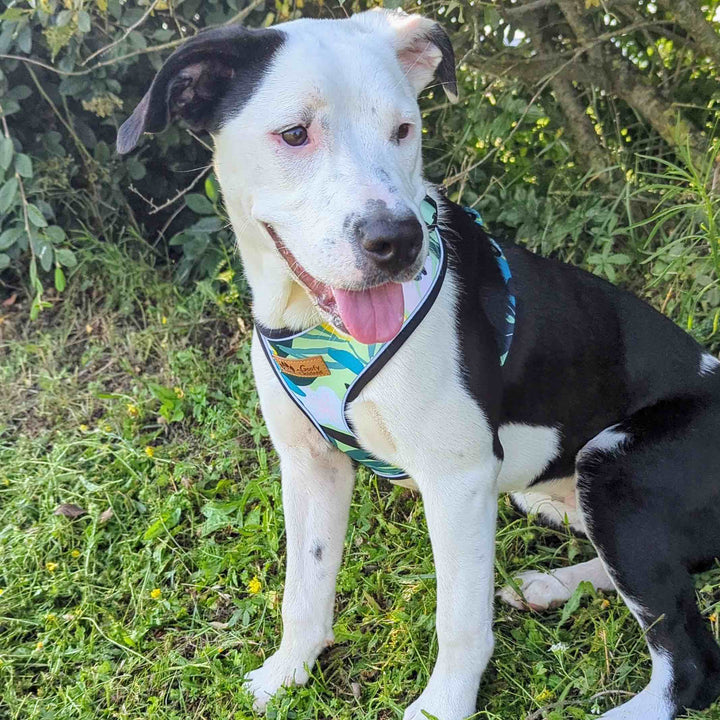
[318, 142]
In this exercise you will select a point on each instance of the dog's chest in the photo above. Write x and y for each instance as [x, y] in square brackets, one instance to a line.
[416, 413]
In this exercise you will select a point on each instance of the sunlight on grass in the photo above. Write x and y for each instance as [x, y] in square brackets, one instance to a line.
[142, 548]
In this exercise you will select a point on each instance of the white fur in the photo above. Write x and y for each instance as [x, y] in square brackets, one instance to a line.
[439, 435]
[554, 501]
[529, 449]
[708, 364]
[541, 591]
[655, 701]
[452, 463]
[610, 440]
[351, 159]
[317, 486]
[454, 467]
[352, 82]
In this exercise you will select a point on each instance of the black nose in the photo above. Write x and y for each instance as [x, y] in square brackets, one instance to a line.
[391, 243]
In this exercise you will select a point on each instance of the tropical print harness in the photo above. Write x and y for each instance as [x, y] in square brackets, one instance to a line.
[323, 369]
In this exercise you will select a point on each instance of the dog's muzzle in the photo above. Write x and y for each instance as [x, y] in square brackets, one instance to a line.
[390, 243]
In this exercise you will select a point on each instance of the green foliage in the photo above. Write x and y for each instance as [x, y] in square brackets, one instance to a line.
[72, 72]
[156, 600]
[132, 398]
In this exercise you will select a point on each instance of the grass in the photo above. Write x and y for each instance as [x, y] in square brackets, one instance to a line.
[132, 406]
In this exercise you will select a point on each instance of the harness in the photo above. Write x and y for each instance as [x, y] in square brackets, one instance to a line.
[323, 369]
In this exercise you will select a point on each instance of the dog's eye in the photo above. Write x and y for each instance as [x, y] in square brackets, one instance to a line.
[403, 131]
[295, 136]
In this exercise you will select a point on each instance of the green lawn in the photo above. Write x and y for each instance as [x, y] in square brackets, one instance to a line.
[135, 404]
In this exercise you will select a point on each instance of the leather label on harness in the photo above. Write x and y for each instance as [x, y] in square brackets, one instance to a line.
[309, 367]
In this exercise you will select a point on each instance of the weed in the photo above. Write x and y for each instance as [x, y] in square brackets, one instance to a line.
[136, 404]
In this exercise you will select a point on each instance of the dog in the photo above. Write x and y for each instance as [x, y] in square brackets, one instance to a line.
[602, 411]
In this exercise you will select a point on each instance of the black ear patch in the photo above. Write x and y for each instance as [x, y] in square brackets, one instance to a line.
[445, 71]
[204, 82]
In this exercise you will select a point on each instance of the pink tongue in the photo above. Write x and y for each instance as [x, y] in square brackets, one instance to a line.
[372, 316]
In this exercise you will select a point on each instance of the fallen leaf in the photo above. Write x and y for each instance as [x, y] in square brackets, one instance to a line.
[10, 301]
[107, 515]
[69, 511]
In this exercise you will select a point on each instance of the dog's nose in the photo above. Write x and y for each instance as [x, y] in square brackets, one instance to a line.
[391, 243]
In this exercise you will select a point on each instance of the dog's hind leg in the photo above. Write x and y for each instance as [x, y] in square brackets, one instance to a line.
[554, 503]
[649, 491]
[317, 485]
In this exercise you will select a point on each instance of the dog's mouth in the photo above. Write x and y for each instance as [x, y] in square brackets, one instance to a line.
[371, 315]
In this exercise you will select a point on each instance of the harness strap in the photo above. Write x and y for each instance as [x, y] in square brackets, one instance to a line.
[323, 369]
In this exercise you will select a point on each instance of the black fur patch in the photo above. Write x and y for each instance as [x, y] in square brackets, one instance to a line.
[445, 71]
[205, 82]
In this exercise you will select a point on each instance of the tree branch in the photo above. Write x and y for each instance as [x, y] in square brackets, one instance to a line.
[616, 76]
[529, 7]
[691, 18]
[591, 155]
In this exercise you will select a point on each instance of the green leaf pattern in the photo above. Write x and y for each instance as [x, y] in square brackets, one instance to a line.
[323, 399]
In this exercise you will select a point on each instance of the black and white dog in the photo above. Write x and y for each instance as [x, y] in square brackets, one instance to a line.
[605, 412]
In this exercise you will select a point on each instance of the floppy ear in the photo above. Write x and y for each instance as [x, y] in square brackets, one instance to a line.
[423, 49]
[197, 79]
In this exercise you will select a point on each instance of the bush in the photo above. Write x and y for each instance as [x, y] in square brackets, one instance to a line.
[73, 71]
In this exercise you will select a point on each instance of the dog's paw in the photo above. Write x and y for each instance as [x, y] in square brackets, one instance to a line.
[445, 701]
[647, 705]
[277, 672]
[540, 591]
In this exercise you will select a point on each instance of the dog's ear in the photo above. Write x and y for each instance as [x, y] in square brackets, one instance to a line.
[423, 49]
[197, 77]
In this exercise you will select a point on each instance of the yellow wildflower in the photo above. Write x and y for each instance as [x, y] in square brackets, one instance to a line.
[164, 320]
[179, 392]
[544, 696]
[714, 618]
[156, 593]
[40, 645]
[51, 566]
[150, 451]
[83, 428]
[132, 410]
[51, 617]
[254, 586]
[103, 105]
[2, 590]
[75, 553]
[605, 604]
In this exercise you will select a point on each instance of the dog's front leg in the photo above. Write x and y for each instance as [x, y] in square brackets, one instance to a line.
[317, 485]
[461, 513]
[316, 500]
